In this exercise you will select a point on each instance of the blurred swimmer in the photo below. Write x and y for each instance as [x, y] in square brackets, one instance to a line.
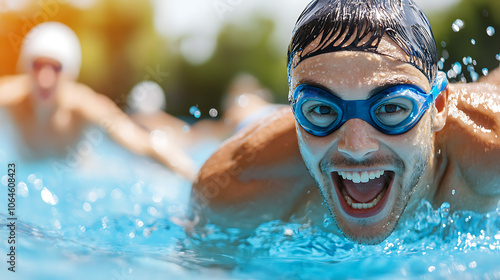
[51, 109]
[245, 102]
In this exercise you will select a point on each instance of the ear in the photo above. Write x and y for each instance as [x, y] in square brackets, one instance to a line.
[441, 106]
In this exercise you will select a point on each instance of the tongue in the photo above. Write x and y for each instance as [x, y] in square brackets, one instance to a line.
[364, 192]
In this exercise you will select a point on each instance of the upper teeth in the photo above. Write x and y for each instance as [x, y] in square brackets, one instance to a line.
[361, 177]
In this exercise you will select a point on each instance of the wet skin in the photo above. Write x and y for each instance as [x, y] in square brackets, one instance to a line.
[451, 155]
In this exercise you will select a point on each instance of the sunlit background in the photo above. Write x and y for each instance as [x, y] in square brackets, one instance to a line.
[194, 48]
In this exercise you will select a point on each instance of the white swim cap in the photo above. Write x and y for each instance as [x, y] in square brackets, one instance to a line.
[52, 40]
[147, 97]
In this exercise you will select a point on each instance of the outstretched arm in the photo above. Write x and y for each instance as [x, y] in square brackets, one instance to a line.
[100, 110]
[13, 89]
[257, 176]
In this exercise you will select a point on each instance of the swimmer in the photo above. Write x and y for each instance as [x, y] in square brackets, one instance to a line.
[51, 109]
[372, 130]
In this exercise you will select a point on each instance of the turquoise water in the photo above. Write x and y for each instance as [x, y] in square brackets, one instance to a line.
[115, 216]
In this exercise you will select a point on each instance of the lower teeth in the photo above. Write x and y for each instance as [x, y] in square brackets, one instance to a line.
[368, 205]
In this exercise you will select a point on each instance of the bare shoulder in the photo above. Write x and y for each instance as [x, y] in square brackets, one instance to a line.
[492, 78]
[257, 175]
[471, 137]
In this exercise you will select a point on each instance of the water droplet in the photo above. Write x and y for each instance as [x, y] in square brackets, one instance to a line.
[87, 207]
[472, 41]
[431, 268]
[474, 76]
[485, 71]
[48, 197]
[457, 25]
[327, 222]
[131, 235]
[152, 211]
[31, 178]
[497, 56]
[38, 184]
[473, 264]
[445, 54]
[451, 74]
[197, 114]
[139, 223]
[440, 65]
[92, 196]
[213, 113]
[490, 30]
[157, 198]
[243, 100]
[467, 60]
[444, 210]
[457, 67]
[193, 110]
[22, 189]
[443, 44]
[288, 232]
[452, 192]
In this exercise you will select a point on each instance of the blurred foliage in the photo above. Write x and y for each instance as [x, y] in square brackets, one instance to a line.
[477, 16]
[121, 48]
[240, 48]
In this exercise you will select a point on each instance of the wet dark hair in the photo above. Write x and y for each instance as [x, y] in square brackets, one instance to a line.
[358, 25]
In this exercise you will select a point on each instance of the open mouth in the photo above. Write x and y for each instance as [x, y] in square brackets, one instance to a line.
[363, 194]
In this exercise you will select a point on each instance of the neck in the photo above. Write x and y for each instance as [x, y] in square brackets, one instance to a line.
[430, 180]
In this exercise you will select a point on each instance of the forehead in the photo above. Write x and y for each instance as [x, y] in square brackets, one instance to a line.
[351, 71]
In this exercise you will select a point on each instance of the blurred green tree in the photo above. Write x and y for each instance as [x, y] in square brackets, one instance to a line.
[472, 39]
[241, 47]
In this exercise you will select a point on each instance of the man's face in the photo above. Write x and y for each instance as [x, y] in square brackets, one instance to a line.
[46, 74]
[365, 212]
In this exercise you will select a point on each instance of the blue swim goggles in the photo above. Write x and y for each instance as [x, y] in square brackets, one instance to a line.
[393, 111]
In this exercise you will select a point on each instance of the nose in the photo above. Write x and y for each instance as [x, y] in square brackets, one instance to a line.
[357, 139]
[47, 77]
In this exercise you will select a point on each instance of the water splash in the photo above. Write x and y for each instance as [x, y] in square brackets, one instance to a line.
[213, 113]
[457, 67]
[467, 60]
[490, 30]
[457, 25]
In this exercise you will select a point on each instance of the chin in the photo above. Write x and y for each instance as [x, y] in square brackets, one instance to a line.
[366, 212]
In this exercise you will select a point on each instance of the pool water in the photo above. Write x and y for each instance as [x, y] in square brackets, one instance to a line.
[115, 215]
